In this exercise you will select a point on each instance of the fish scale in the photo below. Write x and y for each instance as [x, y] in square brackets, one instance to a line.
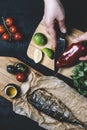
[45, 102]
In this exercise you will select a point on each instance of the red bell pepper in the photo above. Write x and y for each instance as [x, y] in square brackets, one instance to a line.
[71, 55]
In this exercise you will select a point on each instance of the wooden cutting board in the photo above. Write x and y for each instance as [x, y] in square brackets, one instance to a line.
[49, 63]
[5, 77]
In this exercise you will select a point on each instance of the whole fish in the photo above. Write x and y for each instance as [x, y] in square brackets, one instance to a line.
[45, 102]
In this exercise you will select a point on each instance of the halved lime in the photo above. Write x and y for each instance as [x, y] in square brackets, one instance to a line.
[39, 39]
[38, 55]
[48, 52]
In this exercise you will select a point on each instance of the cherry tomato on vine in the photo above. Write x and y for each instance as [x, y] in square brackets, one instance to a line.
[2, 29]
[5, 37]
[13, 29]
[9, 21]
[21, 77]
[17, 36]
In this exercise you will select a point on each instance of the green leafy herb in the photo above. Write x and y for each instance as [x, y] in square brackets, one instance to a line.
[79, 77]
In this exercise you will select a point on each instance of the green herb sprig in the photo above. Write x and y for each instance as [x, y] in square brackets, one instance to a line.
[79, 78]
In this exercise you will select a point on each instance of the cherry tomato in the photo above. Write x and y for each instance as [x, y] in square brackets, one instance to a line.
[21, 77]
[17, 36]
[5, 37]
[9, 21]
[13, 29]
[2, 29]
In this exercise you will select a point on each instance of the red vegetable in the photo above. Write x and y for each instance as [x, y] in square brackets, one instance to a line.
[13, 29]
[17, 36]
[5, 37]
[70, 55]
[9, 22]
[2, 29]
[21, 77]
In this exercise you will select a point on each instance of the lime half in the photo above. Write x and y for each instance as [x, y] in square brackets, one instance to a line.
[39, 39]
[48, 52]
[38, 55]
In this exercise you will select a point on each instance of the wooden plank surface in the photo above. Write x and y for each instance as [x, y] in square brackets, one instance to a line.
[5, 77]
[30, 52]
[49, 63]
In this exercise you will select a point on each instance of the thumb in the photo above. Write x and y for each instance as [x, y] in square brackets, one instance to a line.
[62, 26]
[81, 38]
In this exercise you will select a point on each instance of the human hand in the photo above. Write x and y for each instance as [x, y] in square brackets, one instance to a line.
[81, 38]
[54, 11]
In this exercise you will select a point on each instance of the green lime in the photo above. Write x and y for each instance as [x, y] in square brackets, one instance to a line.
[48, 52]
[39, 39]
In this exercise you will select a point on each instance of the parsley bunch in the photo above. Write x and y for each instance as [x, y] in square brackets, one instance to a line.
[79, 78]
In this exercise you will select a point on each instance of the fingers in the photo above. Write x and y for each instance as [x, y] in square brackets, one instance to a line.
[51, 31]
[50, 28]
[81, 38]
[54, 11]
[83, 58]
[62, 26]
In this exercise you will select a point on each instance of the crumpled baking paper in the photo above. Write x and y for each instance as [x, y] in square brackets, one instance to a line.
[75, 102]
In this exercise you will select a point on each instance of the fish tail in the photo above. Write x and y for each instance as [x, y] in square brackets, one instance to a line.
[85, 126]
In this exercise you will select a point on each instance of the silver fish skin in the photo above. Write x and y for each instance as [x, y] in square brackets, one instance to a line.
[45, 102]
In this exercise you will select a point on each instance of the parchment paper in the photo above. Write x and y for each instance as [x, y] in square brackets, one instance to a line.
[75, 102]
